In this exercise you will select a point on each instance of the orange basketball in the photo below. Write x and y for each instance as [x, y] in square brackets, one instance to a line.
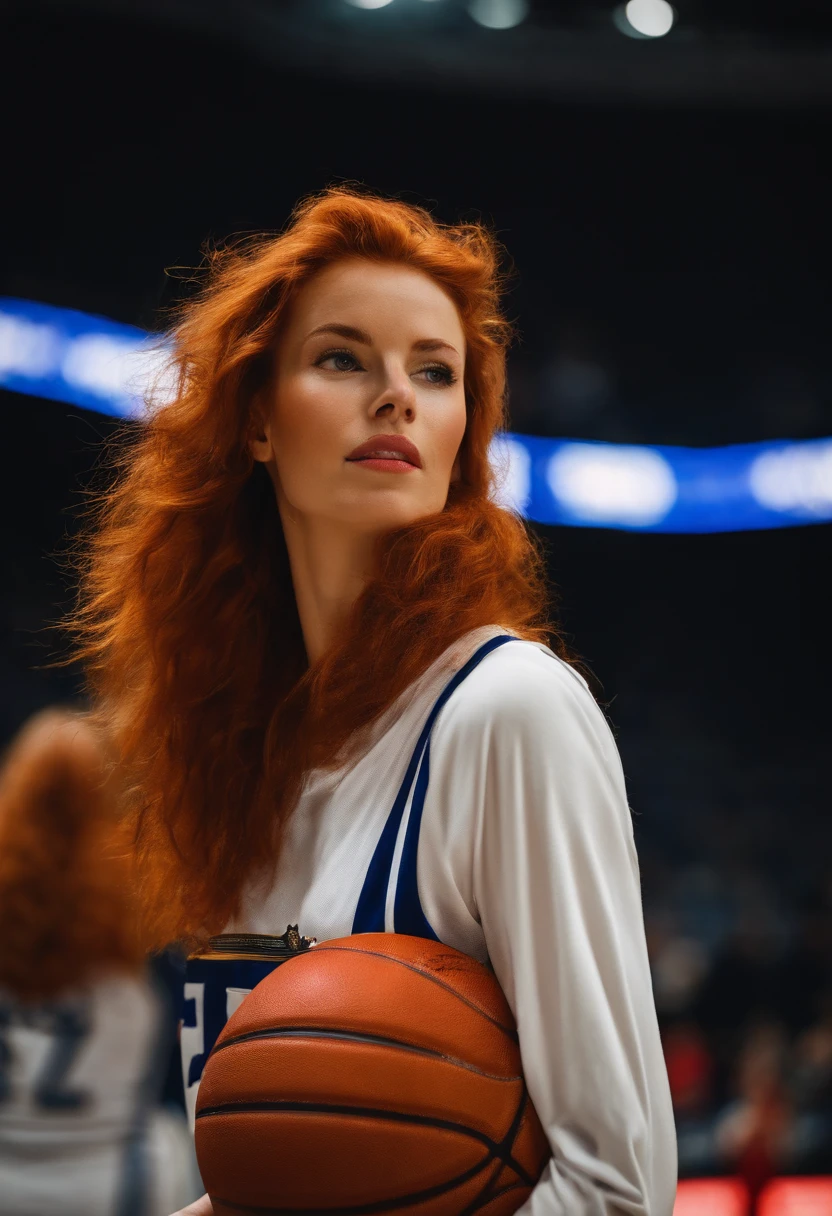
[370, 1073]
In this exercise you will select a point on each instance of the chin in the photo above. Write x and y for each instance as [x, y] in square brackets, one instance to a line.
[385, 512]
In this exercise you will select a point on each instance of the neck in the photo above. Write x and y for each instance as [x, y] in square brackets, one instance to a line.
[330, 566]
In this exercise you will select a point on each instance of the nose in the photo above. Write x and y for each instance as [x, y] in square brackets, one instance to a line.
[398, 396]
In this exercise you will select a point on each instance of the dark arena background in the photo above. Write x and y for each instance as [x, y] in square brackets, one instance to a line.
[660, 177]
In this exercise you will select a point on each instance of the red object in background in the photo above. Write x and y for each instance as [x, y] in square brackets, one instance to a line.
[796, 1197]
[689, 1067]
[712, 1197]
[758, 1159]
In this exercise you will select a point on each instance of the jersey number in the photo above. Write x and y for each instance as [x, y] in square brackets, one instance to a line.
[69, 1028]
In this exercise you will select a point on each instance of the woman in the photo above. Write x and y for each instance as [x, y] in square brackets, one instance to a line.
[83, 1028]
[274, 604]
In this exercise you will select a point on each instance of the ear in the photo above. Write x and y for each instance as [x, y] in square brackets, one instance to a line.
[456, 472]
[259, 438]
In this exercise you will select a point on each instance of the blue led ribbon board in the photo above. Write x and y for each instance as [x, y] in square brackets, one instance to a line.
[666, 489]
[70, 356]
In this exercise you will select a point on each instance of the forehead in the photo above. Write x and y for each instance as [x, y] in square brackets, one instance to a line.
[375, 296]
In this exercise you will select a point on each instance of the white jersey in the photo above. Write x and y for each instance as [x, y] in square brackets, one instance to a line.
[489, 812]
[79, 1077]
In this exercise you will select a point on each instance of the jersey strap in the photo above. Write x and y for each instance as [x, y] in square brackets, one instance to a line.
[408, 916]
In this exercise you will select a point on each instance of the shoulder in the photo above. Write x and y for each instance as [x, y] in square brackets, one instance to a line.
[523, 739]
[523, 745]
[521, 685]
[524, 708]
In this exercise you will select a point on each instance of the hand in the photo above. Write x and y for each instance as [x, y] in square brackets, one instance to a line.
[202, 1207]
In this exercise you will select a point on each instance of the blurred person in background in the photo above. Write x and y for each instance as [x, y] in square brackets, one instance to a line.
[84, 1030]
[811, 1088]
[753, 1134]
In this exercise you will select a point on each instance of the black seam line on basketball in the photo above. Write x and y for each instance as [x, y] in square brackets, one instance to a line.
[483, 1196]
[507, 1142]
[363, 1209]
[506, 1146]
[367, 1209]
[512, 1034]
[489, 1195]
[514, 1186]
[367, 1112]
[353, 1036]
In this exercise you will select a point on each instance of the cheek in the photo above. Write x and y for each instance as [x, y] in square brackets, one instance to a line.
[308, 421]
[451, 428]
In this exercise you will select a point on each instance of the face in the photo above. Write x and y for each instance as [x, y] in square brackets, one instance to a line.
[368, 351]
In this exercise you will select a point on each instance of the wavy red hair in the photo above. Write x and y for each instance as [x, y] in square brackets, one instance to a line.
[186, 620]
[67, 912]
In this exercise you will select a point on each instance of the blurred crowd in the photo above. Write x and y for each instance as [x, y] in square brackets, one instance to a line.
[740, 943]
[746, 1023]
[734, 852]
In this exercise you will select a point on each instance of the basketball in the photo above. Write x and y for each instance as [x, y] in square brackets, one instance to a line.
[370, 1073]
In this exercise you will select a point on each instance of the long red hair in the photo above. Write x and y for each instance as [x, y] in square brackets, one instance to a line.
[187, 621]
[66, 907]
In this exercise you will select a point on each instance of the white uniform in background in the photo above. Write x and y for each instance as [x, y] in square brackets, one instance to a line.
[80, 1134]
[489, 812]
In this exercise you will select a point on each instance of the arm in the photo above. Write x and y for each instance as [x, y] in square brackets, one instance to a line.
[556, 884]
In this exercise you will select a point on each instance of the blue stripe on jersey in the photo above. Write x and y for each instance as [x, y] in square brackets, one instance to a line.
[408, 915]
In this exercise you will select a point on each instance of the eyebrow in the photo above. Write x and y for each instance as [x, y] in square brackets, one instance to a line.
[358, 335]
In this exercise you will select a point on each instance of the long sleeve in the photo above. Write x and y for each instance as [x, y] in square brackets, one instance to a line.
[556, 887]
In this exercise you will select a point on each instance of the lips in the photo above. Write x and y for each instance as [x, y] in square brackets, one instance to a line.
[404, 448]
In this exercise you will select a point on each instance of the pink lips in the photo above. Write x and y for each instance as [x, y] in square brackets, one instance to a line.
[387, 443]
[385, 464]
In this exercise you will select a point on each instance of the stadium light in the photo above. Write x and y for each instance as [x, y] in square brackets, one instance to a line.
[499, 14]
[648, 18]
[369, 3]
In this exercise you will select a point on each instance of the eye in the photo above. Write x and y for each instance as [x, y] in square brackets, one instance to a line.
[446, 374]
[338, 354]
